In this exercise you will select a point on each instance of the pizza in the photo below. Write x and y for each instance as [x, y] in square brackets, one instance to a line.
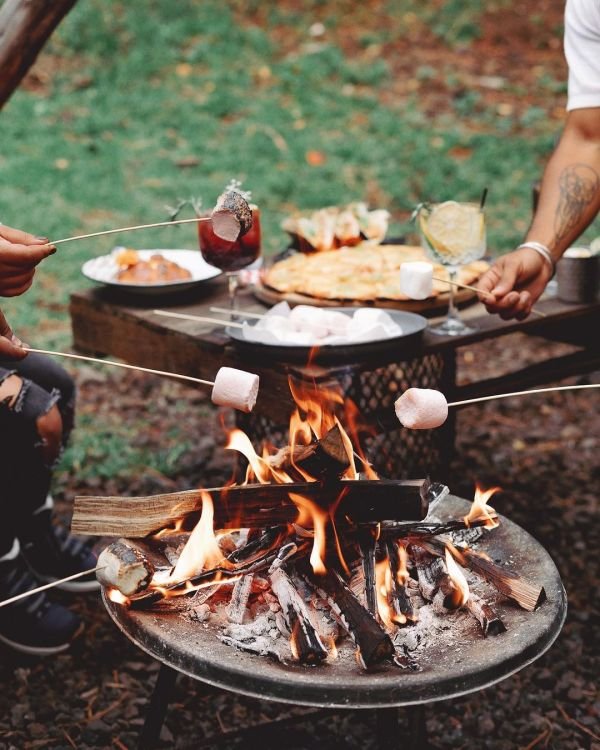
[365, 273]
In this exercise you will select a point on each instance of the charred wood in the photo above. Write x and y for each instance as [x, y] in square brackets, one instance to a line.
[401, 602]
[239, 599]
[486, 616]
[326, 458]
[368, 544]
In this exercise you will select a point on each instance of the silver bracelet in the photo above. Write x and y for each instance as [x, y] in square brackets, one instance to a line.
[540, 250]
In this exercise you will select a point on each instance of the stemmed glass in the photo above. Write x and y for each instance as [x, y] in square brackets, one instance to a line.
[452, 233]
[231, 257]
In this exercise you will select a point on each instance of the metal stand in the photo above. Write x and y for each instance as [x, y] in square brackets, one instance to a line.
[387, 720]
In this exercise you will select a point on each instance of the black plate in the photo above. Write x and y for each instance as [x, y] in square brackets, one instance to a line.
[412, 326]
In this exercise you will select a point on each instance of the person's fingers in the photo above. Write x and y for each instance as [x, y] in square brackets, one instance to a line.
[17, 291]
[507, 280]
[487, 282]
[16, 285]
[18, 237]
[24, 256]
[10, 345]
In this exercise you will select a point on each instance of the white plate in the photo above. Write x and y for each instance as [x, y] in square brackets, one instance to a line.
[104, 270]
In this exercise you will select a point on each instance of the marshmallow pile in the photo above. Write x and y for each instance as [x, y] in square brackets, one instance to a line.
[421, 408]
[305, 325]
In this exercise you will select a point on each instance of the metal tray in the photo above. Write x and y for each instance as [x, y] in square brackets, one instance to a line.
[412, 326]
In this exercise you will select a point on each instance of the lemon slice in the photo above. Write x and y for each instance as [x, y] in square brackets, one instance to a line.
[453, 227]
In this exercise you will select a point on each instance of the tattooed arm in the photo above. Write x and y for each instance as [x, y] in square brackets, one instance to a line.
[569, 201]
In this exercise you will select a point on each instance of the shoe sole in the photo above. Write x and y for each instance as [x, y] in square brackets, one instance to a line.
[23, 648]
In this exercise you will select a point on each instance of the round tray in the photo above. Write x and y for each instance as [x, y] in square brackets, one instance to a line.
[472, 664]
[412, 326]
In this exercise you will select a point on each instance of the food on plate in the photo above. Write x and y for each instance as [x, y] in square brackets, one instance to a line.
[156, 270]
[237, 389]
[231, 217]
[306, 325]
[416, 279]
[364, 273]
[421, 408]
[337, 226]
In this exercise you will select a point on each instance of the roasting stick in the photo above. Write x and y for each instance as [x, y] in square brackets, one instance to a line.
[121, 364]
[51, 585]
[523, 393]
[533, 310]
[131, 229]
[198, 318]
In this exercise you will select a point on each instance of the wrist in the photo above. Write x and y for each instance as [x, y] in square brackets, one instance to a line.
[543, 251]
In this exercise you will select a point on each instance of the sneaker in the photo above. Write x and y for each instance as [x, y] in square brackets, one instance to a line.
[52, 553]
[33, 625]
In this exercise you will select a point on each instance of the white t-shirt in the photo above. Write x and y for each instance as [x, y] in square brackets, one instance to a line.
[582, 50]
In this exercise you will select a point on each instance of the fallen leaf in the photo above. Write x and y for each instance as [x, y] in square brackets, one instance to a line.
[315, 158]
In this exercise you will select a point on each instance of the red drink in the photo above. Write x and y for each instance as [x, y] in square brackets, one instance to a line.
[230, 256]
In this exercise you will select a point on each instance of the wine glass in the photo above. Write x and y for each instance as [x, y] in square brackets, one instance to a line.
[230, 257]
[452, 233]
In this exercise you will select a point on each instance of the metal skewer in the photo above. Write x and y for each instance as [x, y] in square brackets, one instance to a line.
[50, 585]
[523, 393]
[131, 229]
[121, 364]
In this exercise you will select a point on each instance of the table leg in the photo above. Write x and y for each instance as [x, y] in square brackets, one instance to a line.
[157, 709]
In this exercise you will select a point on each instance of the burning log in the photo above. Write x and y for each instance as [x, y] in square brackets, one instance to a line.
[324, 458]
[486, 615]
[239, 599]
[400, 599]
[373, 643]
[252, 505]
[368, 544]
[430, 571]
[305, 642]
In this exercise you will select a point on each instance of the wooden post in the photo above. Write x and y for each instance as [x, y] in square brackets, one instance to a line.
[25, 25]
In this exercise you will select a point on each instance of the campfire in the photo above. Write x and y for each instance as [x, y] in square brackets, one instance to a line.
[311, 553]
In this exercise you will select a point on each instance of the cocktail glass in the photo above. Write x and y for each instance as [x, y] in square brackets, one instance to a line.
[452, 234]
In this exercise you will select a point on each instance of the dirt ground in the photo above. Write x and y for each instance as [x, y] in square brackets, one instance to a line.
[541, 450]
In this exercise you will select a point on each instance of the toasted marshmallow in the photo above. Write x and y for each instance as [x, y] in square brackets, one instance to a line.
[421, 408]
[237, 389]
[231, 217]
[416, 279]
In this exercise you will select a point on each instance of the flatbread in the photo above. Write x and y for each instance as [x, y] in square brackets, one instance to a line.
[365, 273]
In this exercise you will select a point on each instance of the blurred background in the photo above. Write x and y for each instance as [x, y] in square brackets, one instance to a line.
[132, 106]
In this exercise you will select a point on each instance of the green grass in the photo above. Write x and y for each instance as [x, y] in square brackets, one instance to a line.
[243, 88]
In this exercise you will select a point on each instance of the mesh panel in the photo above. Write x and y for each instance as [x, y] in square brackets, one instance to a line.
[393, 450]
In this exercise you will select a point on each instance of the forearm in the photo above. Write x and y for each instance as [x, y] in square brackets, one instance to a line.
[570, 193]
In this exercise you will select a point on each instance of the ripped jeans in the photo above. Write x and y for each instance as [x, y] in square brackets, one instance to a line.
[37, 406]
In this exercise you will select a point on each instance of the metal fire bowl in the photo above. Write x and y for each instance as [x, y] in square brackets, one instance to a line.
[471, 664]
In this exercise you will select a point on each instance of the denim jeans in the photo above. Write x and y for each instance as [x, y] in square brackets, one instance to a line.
[25, 475]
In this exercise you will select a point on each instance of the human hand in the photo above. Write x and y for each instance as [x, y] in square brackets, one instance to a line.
[20, 253]
[10, 346]
[515, 281]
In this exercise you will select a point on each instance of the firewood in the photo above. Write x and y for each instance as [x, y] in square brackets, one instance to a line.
[305, 642]
[373, 643]
[251, 505]
[430, 571]
[322, 459]
[368, 545]
[486, 615]
[400, 599]
[239, 599]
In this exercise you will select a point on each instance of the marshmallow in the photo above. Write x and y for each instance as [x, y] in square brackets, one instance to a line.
[337, 323]
[421, 408]
[416, 279]
[308, 319]
[237, 389]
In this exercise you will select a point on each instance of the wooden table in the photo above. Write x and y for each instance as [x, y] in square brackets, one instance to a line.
[105, 323]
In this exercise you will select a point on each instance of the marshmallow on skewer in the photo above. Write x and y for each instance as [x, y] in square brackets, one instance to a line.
[416, 279]
[421, 408]
[231, 217]
[237, 389]
[125, 568]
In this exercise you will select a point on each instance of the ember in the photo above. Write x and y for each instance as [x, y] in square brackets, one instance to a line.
[309, 554]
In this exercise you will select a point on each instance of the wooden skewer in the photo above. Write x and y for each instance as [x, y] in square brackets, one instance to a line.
[480, 291]
[122, 364]
[50, 585]
[524, 393]
[131, 229]
[199, 318]
[244, 313]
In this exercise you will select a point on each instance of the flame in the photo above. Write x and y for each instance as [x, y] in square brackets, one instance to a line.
[352, 416]
[258, 467]
[333, 650]
[383, 585]
[402, 572]
[310, 514]
[458, 579]
[481, 511]
[202, 549]
[117, 597]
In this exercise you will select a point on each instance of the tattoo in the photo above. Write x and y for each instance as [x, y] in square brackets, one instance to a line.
[579, 186]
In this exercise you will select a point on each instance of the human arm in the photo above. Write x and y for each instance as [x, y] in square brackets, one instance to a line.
[569, 201]
[20, 253]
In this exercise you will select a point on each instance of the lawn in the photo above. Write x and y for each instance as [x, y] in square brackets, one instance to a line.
[132, 106]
